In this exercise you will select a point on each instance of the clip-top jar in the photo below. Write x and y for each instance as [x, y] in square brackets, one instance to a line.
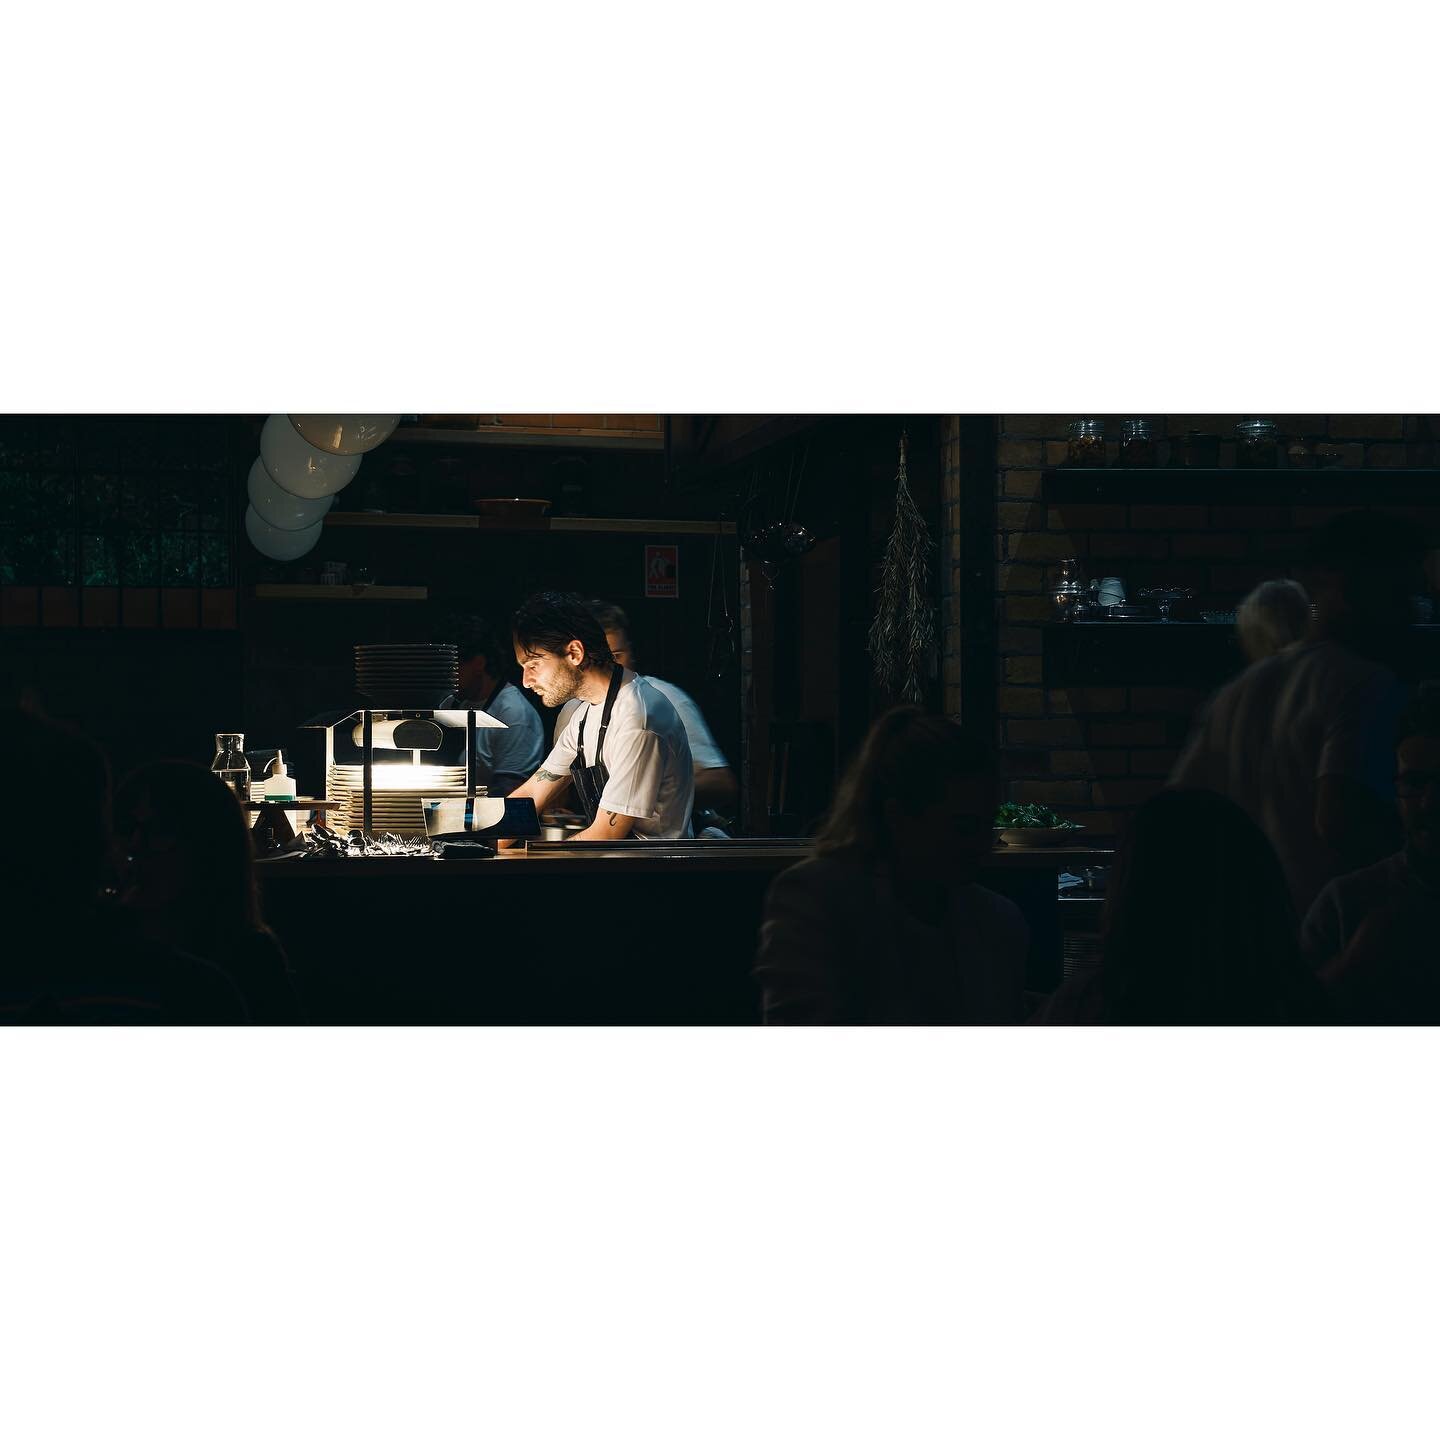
[1257, 445]
[1087, 443]
[230, 764]
[1138, 443]
[1195, 450]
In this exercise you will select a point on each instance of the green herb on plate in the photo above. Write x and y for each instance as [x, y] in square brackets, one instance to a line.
[1030, 817]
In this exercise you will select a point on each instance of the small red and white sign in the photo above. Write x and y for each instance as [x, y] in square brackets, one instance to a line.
[662, 572]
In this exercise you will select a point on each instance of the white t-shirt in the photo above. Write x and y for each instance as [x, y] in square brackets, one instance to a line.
[652, 776]
[706, 754]
[1274, 731]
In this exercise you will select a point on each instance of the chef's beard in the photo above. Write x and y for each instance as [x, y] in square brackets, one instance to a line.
[554, 696]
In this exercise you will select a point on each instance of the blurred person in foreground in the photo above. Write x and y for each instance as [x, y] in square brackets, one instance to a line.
[187, 879]
[70, 955]
[1271, 618]
[1198, 927]
[1374, 936]
[886, 924]
[1302, 740]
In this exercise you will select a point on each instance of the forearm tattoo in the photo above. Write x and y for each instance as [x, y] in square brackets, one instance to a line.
[543, 774]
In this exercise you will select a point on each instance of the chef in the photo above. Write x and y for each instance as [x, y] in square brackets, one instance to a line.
[622, 751]
[504, 758]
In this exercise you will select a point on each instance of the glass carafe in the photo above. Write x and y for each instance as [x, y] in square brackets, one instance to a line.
[231, 765]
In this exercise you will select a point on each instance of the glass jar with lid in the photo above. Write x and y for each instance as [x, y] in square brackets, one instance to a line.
[1301, 452]
[1087, 443]
[1257, 445]
[1069, 591]
[1195, 450]
[1139, 443]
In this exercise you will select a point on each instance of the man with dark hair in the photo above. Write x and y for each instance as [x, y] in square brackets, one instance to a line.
[504, 758]
[1302, 741]
[714, 780]
[1374, 935]
[622, 749]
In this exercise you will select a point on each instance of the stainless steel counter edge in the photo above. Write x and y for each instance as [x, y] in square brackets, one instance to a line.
[725, 856]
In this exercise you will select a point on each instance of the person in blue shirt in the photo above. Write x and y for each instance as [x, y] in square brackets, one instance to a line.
[504, 758]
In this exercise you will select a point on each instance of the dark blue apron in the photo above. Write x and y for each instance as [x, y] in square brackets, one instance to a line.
[589, 780]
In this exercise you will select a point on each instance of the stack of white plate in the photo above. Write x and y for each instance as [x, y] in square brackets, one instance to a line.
[398, 810]
[418, 676]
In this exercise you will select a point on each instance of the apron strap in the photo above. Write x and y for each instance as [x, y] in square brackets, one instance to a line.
[610, 695]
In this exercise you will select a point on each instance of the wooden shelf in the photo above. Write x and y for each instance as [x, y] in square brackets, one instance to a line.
[341, 592]
[1111, 652]
[524, 435]
[367, 520]
[560, 523]
[1177, 485]
[642, 527]
[1176, 652]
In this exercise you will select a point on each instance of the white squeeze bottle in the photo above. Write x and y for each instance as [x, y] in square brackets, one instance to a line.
[279, 784]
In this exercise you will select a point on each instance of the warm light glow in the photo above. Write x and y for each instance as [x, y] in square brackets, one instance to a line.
[390, 776]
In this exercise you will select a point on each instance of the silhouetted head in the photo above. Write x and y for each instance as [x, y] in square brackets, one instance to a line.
[482, 656]
[919, 797]
[1360, 570]
[557, 639]
[1272, 616]
[616, 625]
[1417, 773]
[185, 853]
[56, 833]
[1199, 926]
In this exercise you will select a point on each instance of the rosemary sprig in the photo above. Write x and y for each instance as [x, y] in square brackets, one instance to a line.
[902, 635]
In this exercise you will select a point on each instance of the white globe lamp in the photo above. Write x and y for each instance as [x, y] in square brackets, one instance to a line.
[345, 434]
[297, 466]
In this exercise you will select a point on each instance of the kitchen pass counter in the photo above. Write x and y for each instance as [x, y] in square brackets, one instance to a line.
[564, 858]
[655, 856]
[571, 932]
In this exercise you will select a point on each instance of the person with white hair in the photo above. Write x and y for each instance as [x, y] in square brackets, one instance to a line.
[1273, 615]
[1303, 740]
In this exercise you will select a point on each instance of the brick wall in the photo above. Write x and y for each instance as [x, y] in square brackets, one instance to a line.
[1096, 753]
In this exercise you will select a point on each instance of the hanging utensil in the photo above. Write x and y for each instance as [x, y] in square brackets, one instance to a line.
[722, 629]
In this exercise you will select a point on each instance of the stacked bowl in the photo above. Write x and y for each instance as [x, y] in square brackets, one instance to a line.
[414, 677]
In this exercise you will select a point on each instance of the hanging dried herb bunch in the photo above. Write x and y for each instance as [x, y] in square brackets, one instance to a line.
[902, 636]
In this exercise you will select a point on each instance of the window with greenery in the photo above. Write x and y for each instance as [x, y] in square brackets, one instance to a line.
[138, 502]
